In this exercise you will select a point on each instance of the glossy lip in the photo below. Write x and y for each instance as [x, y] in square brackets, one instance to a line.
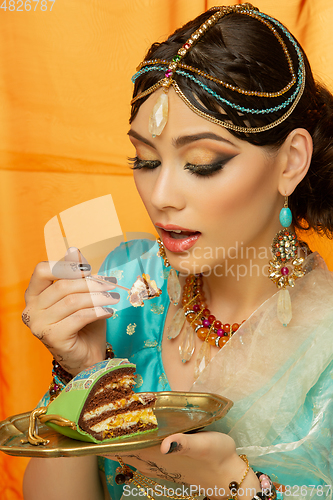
[170, 227]
[178, 245]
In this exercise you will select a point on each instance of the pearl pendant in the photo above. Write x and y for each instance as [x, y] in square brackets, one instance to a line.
[159, 115]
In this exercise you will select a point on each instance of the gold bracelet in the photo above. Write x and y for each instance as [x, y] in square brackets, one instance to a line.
[234, 486]
[60, 377]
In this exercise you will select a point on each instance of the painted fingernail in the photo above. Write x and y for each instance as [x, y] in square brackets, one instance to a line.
[110, 279]
[115, 295]
[84, 267]
[108, 310]
[174, 446]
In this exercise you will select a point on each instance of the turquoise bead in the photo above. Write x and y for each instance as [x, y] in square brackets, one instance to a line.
[285, 217]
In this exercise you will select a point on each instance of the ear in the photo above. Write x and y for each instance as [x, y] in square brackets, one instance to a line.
[296, 153]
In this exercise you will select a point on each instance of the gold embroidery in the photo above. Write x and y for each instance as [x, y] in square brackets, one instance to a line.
[109, 479]
[100, 462]
[117, 274]
[316, 409]
[150, 343]
[139, 381]
[115, 314]
[146, 256]
[131, 328]
[163, 381]
[326, 432]
[156, 309]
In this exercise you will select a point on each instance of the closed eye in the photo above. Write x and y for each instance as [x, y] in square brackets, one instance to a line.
[136, 163]
[209, 169]
[204, 170]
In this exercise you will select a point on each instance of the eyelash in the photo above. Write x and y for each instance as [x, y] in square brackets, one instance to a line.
[137, 164]
[199, 170]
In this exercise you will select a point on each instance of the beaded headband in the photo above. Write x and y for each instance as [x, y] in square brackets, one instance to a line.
[159, 115]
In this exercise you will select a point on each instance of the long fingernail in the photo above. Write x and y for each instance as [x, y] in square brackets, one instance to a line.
[84, 267]
[110, 279]
[174, 446]
[72, 250]
[115, 295]
[108, 310]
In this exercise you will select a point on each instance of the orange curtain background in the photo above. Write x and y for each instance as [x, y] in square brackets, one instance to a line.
[64, 104]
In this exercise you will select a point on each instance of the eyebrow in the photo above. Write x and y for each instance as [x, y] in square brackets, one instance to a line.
[182, 140]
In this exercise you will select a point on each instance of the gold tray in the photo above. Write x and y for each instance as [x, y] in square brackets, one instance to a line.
[175, 412]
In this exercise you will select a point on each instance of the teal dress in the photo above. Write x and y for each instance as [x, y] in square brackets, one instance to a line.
[136, 333]
[283, 401]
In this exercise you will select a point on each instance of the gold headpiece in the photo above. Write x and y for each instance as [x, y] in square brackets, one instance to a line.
[159, 115]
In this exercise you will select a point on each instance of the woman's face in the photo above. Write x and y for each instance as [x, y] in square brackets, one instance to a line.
[218, 193]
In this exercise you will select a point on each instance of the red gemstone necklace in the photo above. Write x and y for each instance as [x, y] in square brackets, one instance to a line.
[205, 324]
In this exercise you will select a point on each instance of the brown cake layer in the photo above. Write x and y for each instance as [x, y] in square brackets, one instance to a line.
[135, 405]
[108, 410]
[98, 393]
[108, 394]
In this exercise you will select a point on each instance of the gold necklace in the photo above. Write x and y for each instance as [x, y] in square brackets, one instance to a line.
[196, 318]
[206, 326]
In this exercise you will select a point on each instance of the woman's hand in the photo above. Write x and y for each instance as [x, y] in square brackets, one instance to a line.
[68, 315]
[205, 459]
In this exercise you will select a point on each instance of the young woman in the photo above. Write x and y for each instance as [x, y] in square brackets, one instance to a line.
[230, 132]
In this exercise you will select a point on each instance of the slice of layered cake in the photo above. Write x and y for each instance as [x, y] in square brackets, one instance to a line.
[112, 409]
[101, 404]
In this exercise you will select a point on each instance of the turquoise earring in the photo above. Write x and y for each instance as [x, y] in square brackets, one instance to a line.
[285, 214]
[286, 266]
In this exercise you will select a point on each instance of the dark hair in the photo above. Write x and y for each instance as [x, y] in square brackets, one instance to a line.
[242, 51]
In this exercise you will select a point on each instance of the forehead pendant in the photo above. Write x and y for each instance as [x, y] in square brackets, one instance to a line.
[159, 115]
[291, 92]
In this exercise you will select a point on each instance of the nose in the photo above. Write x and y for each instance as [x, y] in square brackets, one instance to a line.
[169, 189]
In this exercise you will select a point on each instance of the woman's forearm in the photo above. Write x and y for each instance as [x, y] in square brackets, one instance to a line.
[65, 478]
